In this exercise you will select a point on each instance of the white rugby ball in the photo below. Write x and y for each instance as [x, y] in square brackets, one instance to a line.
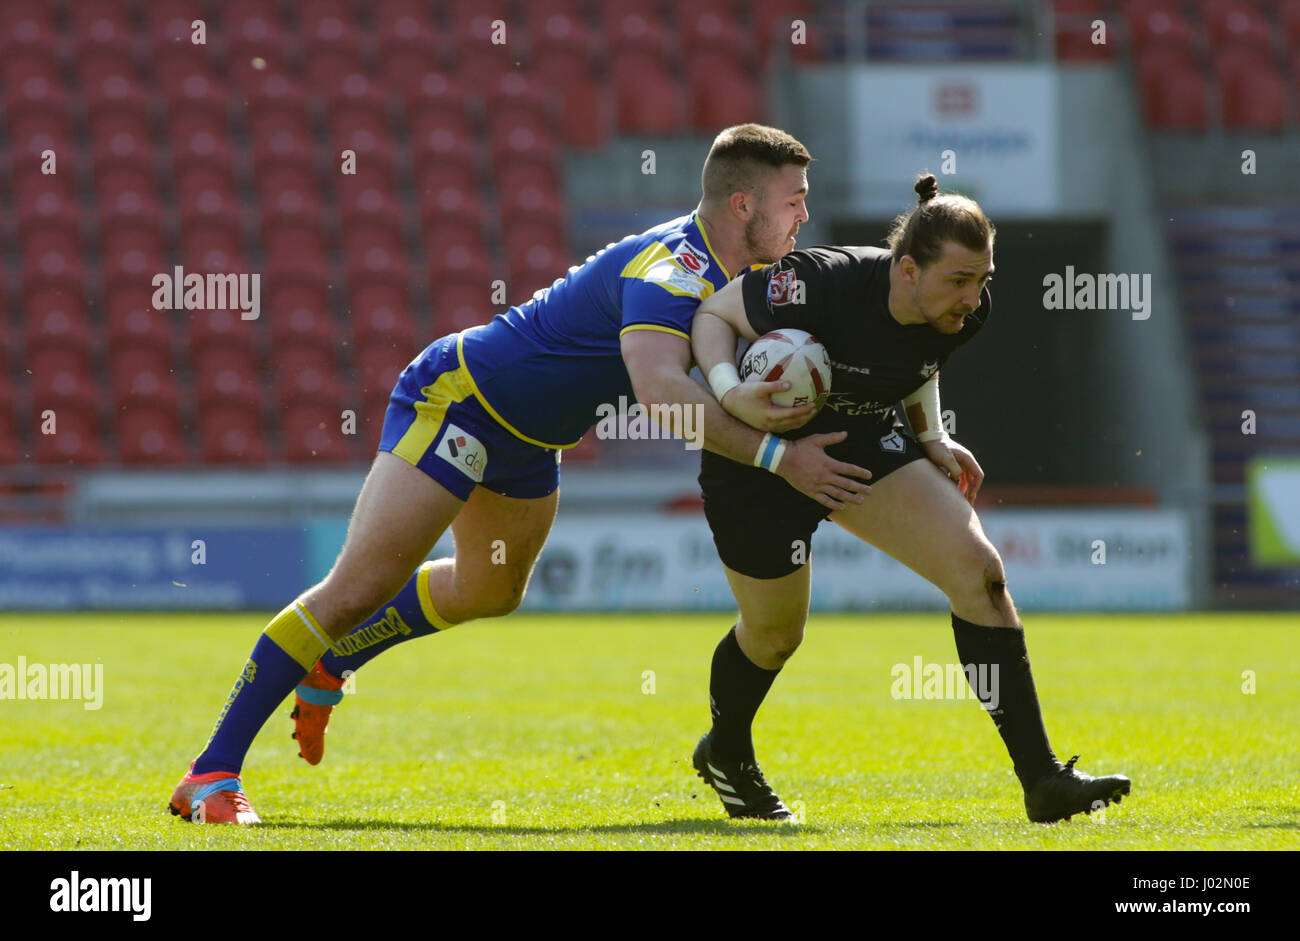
[794, 355]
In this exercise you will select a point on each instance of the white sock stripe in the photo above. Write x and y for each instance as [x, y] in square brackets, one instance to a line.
[716, 772]
[725, 786]
[315, 633]
[732, 800]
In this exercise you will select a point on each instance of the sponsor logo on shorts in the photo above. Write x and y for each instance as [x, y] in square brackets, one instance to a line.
[691, 258]
[781, 289]
[892, 442]
[461, 449]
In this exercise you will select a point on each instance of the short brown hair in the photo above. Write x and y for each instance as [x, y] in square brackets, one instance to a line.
[936, 219]
[740, 154]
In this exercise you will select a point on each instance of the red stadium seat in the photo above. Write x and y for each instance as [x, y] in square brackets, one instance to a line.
[459, 308]
[231, 435]
[142, 377]
[133, 323]
[254, 31]
[49, 224]
[524, 145]
[53, 275]
[378, 366]
[649, 100]
[75, 440]
[451, 205]
[149, 435]
[306, 375]
[1236, 23]
[300, 317]
[540, 10]
[1158, 24]
[1173, 92]
[1254, 92]
[378, 266]
[1289, 11]
[479, 60]
[292, 223]
[710, 32]
[452, 247]
[60, 379]
[562, 45]
[722, 94]
[223, 331]
[223, 376]
[636, 42]
[55, 318]
[375, 317]
[313, 434]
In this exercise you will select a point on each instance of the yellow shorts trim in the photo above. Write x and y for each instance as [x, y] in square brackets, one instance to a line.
[654, 326]
[473, 387]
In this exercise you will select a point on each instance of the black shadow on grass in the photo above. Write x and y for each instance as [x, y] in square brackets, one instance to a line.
[693, 827]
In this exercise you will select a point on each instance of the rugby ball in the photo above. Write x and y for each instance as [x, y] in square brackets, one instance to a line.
[794, 355]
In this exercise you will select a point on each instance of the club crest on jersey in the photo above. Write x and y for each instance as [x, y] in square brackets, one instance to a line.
[784, 288]
[892, 442]
[929, 368]
[463, 451]
[691, 258]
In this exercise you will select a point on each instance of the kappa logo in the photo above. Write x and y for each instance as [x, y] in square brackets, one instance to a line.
[464, 451]
[691, 258]
[892, 442]
[782, 288]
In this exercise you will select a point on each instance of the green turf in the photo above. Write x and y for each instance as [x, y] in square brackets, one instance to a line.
[533, 732]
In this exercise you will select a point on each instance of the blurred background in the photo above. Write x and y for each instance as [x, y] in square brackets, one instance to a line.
[396, 170]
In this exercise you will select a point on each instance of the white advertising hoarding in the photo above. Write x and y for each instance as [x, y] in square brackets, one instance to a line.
[1056, 560]
[988, 131]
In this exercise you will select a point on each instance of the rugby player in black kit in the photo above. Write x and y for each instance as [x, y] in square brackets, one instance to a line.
[889, 319]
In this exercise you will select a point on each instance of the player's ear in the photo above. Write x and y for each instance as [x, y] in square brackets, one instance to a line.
[744, 204]
[909, 269]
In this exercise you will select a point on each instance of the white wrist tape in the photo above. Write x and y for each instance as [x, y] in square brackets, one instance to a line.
[770, 451]
[723, 378]
[927, 397]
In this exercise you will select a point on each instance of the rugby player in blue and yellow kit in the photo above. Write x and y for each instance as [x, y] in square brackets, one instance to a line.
[473, 436]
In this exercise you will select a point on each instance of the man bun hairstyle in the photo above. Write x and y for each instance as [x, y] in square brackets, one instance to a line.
[742, 154]
[922, 231]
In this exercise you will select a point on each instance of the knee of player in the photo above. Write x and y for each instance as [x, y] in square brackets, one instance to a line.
[785, 643]
[501, 602]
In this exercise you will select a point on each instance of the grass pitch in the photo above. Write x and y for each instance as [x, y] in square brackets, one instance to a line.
[548, 732]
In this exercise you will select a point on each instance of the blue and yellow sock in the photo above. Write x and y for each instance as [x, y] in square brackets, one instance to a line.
[410, 614]
[287, 649]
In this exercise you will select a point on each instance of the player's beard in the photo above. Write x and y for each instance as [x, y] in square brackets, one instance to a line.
[761, 237]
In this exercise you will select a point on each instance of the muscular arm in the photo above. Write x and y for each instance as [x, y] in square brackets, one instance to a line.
[659, 365]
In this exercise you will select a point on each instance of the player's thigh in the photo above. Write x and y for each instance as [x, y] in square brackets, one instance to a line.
[773, 612]
[498, 539]
[918, 516]
[399, 515]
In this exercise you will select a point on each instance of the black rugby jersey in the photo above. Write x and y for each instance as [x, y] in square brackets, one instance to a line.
[875, 360]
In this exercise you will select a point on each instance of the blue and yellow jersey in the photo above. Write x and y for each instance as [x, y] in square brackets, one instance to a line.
[542, 367]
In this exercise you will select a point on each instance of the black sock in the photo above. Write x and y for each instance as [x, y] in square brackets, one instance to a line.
[1017, 715]
[736, 690]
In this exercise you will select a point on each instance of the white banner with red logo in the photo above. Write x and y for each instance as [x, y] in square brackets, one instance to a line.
[1110, 559]
[987, 131]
